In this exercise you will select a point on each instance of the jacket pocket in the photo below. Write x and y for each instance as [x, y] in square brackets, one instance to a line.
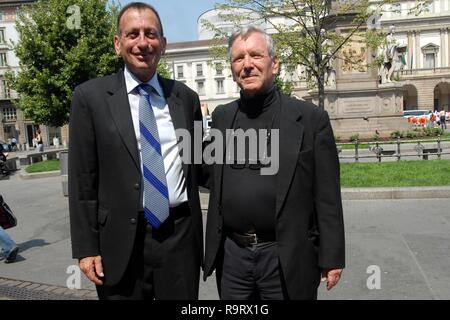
[102, 215]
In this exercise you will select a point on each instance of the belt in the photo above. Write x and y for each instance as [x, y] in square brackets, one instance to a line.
[179, 211]
[175, 213]
[249, 239]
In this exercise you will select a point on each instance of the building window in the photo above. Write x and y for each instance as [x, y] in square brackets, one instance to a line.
[219, 69]
[2, 35]
[6, 92]
[429, 55]
[220, 88]
[201, 88]
[199, 70]
[9, 114]
[430, 61]
[180, 72]
[3, 62]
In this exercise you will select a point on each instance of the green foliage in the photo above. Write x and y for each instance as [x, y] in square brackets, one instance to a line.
[433, 132]
[57, 53]
[164, 70]
[49, 165]
[284, 86]
[397, 133]
[376, 137]
[354, 137]
[411, 134]
[396, 174]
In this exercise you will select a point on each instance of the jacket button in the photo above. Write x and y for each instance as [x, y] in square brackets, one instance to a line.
[133, 221]
[136, 186]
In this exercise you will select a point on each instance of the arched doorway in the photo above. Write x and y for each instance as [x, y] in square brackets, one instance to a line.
[409, 97]
[441, 96]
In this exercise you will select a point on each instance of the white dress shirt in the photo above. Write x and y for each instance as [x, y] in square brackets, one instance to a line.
[176, 183]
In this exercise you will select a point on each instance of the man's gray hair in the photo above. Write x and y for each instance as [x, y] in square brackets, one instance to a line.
[245, 32]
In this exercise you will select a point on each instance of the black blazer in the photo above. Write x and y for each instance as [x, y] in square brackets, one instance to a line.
[105, 175]
[309, 219]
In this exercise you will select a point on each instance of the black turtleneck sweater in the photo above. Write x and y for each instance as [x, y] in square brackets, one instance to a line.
[248, 198]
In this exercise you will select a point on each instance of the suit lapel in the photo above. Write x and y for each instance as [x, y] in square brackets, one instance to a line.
[176, 110]
[121, 114]
[291, 135]
[227, 123]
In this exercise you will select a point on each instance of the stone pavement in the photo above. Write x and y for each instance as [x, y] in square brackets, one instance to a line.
[397, 248]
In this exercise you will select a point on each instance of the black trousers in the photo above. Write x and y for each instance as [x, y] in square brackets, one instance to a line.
[251, 273]
[164, 264]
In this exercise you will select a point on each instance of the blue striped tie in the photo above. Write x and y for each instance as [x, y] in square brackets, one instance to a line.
[156, 195]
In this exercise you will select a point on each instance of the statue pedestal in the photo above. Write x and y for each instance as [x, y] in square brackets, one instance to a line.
[362, 111]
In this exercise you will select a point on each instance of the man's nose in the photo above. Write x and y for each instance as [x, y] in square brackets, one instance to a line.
[142, 41]
[248, 62]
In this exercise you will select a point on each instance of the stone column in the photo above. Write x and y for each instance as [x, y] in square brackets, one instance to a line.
[20, 123]
[65, 136]
[442, 48]
[447, 38]
[410, 50]
[2, 129]
[416, 50]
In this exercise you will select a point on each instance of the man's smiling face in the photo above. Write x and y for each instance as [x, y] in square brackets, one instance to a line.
[139, 42]
[252, 67]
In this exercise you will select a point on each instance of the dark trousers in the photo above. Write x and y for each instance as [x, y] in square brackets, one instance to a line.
[165, 263]
[251, 273]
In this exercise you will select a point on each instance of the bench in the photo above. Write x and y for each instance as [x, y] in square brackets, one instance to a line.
[38, 157]
[387, 152]
[427, 151]
[379, 152]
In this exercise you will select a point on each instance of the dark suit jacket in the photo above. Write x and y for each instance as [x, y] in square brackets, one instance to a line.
[308, 199]
[105, 173]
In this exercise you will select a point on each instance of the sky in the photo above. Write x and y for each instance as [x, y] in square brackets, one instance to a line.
[179, 17]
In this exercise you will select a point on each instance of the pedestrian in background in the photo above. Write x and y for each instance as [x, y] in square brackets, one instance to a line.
[442, 119]
[8, 247]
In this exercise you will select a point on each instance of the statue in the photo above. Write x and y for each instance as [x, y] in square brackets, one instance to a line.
[392, 57]
[330, 72]
[387, 69]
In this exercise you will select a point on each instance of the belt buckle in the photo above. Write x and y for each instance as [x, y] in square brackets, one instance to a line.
[254, 239]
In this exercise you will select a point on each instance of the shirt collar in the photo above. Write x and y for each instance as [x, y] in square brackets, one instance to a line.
[132, 82]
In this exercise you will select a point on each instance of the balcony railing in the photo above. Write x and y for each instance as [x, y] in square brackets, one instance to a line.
[425, 71]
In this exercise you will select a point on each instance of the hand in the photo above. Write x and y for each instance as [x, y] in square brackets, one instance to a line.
[93, 269]
[331, 276]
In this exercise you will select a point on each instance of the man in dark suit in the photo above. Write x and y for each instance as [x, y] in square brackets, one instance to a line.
[128, 248]
[273, 236]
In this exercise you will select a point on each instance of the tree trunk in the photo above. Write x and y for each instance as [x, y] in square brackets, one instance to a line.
[321, 87]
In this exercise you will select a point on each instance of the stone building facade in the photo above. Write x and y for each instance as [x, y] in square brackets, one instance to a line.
[13, 123]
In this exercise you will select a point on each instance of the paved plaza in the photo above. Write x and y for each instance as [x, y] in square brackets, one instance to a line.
[396, 248]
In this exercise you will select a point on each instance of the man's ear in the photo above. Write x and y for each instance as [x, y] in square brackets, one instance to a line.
[117, 45]
[163, 45]
[275, 65]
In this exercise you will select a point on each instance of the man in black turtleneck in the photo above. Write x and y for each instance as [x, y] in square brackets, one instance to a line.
[273, 236]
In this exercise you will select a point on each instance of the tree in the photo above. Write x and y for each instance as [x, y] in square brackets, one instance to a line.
[62, 43]
[309, 32]
[164, 69]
